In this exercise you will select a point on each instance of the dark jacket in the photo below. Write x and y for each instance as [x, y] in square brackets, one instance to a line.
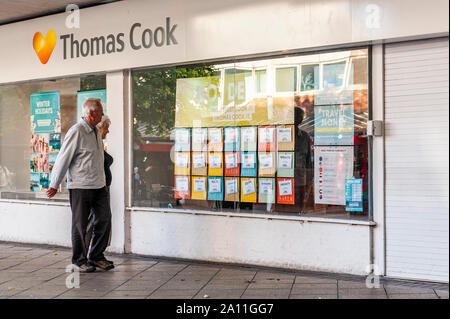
[108, 162]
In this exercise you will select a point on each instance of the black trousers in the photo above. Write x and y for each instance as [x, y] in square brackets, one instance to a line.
[90, 226]
[82, 201]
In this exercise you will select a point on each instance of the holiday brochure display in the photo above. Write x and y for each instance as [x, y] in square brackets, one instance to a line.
[242, 149]
[45, 141]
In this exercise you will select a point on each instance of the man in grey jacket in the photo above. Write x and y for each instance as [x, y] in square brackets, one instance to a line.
[81, 156]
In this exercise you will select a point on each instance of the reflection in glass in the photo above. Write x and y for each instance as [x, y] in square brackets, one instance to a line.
[286, 79]
[310, 77]
[333, 75]
[260, 81]
[240, 137]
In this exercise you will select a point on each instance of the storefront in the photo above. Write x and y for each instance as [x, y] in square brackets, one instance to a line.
[243, 133]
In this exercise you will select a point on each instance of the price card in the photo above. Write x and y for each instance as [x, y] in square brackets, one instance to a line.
[231, 186]
[231, 160]
[215, 136]
[285, 160]
[248, 187]
[284, 134]
[199, 136]
[266, 134]
[231, 135]
[182, 136]
[214, 185]
[182, 184]
[182, 160]
[266, 161]
[199, 185]
[248, 160]
[285, 188]
[266, 186]
[215, 160]
[248, 135]
[199, 160]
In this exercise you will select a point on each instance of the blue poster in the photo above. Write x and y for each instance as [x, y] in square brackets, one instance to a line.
[215, 188]
[45, 112]
[353, 195]
[334, 118]
[84, 95]
[35, 182]
[55, 143]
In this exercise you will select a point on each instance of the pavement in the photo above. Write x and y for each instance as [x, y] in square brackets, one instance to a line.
[39, 271]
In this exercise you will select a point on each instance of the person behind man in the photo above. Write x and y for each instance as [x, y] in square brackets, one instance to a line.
[103, 128]
[82, 157]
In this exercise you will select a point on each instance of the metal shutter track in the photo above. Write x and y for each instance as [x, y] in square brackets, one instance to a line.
[417, 159]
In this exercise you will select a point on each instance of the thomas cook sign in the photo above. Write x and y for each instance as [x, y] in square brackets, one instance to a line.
[138, 38]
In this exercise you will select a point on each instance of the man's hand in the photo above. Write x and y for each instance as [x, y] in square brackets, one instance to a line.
[51, 192]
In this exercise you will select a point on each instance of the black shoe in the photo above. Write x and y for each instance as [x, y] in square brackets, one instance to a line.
[102, 264]
[85, 268]
[109, 261]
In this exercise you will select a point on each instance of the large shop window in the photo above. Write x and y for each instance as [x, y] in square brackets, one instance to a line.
[34, 118]
[247, 137]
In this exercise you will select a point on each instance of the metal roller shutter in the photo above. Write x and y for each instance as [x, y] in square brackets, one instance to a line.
[417, 159]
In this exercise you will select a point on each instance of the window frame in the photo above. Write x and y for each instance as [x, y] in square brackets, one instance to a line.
[271, 91]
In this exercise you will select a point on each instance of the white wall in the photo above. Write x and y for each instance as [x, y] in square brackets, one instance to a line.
[36, 223]
[116, 148]
[276, 243]
[46, 223]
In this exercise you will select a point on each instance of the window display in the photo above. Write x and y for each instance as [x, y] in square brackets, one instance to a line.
[34, 118]
[286, 150]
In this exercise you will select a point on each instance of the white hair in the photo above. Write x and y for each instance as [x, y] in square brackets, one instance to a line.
[91, 105]
[105, 119]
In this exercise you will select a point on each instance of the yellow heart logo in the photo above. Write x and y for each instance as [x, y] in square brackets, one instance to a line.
[44, 46]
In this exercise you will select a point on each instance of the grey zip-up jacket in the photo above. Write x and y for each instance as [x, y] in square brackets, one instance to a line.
[82, 157]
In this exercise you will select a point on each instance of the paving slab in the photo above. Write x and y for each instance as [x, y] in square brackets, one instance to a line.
[235, 274]
[269, 284]
[173, 294]
[442, 293]
[392, 289]
[214, 293]
[109, 296]
[412, 296]
[314, 296]
[140, 285]
[23, 284]
[227, 284]
[76, 293]
[276, 276]
[373, 296]
[7, 291]
[266, 294]
[192, 269]
[184, 284]
[353, 284]
[313, 289]
[364, 292]
[314, 280]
